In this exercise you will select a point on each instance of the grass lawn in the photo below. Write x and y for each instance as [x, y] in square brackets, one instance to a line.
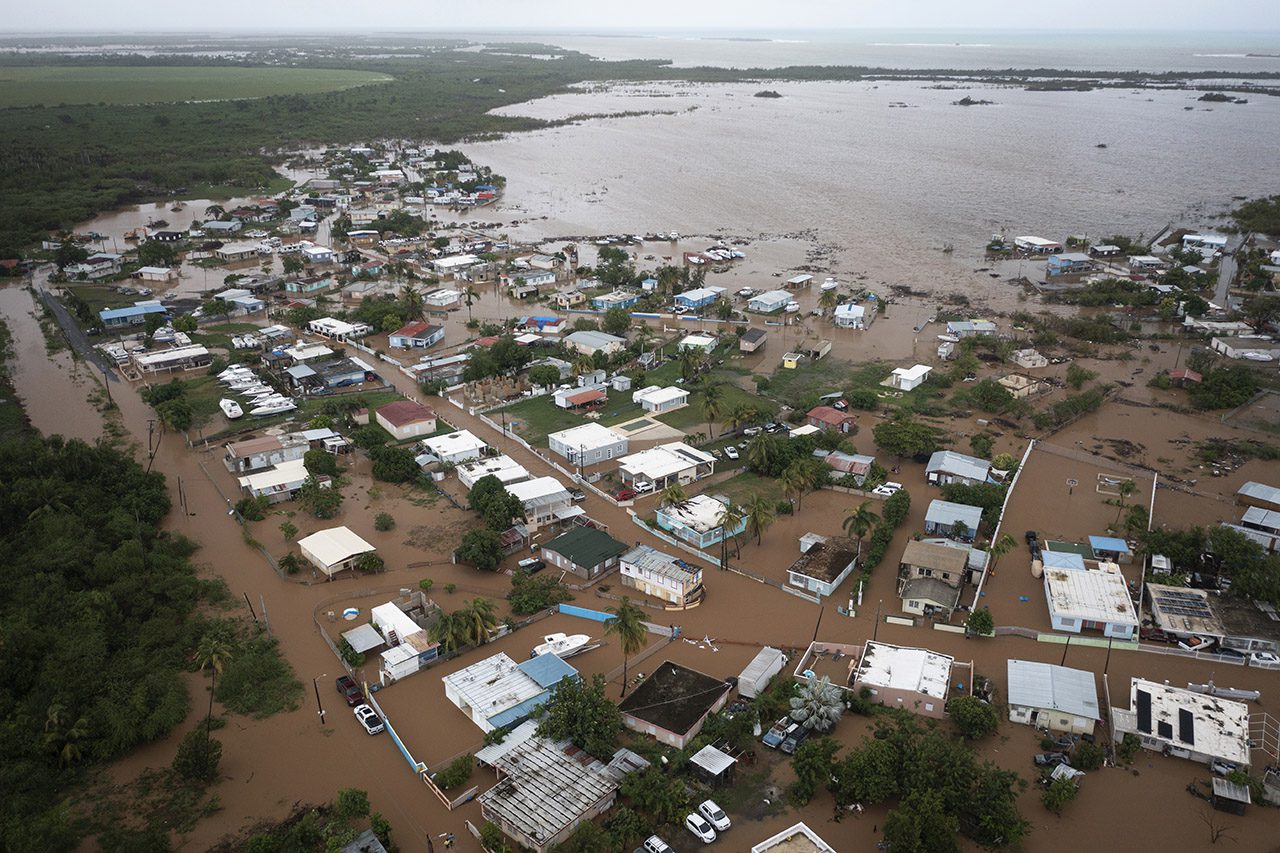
[731, 396]
[536, 418]
[740, 488]
[54, 85]
[813, 379]
[219, 334]
[100, 296]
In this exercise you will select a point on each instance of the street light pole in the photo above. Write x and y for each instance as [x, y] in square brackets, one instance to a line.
[315, 683]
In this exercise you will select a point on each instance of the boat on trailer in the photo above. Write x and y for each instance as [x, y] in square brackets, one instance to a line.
[561, 645]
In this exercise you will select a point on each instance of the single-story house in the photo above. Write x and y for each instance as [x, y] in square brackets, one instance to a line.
[1094, 599]
[339, 330]
[752, 340]
[656, 400]
[1052, 698]
[1146, 263]
[930, 578]
[665, 464]
[239, 251]
[1251, 349]
[853, 465]
[769, 302]
[970, 328]
[947, 466]
[132, 315]
[1029, 359]
[405, 419]
[569, 298]
[573, 398]
[916, 680]
[455, 447]
[850, 316]
[673, 703]
[452, 264]
[1184, 724]
[700, 297]
[659, 575]
[1037, 245]
[189, 357]
[416, 336]
[908, 378]
[825, 564]
[586, 551]
[278, 484]
[952, 520]
[697, 341]
[615, 299]
[589, 342]
[313, 253]
[832, 420]
[334, 550]
[587, 444]
[1020, 386]
[256, 454]
[697, 520]
[311, 284]
[498, 692]
[1105, 250]
[544, 500]
[1260, 495]
[506, 469]
[442, 298]
[160, 274]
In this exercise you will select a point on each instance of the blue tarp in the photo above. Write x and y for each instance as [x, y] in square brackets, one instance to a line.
[1063, 560]
[1109, 543]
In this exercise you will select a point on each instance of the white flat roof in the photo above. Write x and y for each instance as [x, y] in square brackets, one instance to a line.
[293, 471]
[1220, 727]
[506, 469]
[538, 490]
[795, 839]
[665, 460]
[1094, 595]
[700, 513]
[657, 396]
[176, 354]
[308, 352]
[918, 371]
[453, 443]
[588, 436]
[334, 545]
[493, 685]
[905, 668]
[455, 261]
[697, 340]
[390, 616]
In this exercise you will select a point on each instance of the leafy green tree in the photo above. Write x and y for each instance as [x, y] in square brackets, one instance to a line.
[980, 622]
[481, 548]
[534, 593]
[394, 465]
[627, 624]
[1224, 388]
[198, 756]
[154, 253]
[544, 375]
[981, 444]
[922, 823]
[352, 804]
[1077, 376]
[494, 503]
[616, 321]
[1088, 756]
[867, 774]
[975, 718]
[383, 522]
[812, 764]
[320, 500]
[456, 773]
[320, 463]
[369, 563]
[863, 399]
[664, 798]
[580, 712]
[904, 438]
[176, 414]
[1057, 794]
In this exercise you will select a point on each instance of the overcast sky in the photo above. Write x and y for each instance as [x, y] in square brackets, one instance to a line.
[595, 15]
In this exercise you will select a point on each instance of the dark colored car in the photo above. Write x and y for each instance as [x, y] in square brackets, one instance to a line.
[794, 740]
[532, 565]
[578, 494]
[350, 690]
[1031, 537]
[1050, 759]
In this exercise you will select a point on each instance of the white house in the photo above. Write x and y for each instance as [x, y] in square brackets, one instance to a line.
[587, 444]
[916, 680]
[1251, 349]
[454, 264]
[542, 498]
[826, 562]
[1183, 723]
[506, 469]
[657, 575]
[947, 466]
[334, 550]
[1094, 599]
[697, 341]
[908, 378]
[1029, 359]
[314, 253]
[442, 298]
[160, 274]
[498, 692]
[589, 342]
[850, 316]
[657, 400]
[666, 464]
[769, 302]
[255, 454]
[1037, 245]
[1052, 698]
[456, 447]
[341, 330]
[277, 484]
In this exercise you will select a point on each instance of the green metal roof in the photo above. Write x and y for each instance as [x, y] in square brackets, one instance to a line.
[586, 546]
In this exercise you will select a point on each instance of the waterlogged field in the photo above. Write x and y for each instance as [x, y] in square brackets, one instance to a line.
[49, 85]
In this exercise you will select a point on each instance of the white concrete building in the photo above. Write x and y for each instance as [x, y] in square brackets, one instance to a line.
[277, 484]
[455, 447]
[1094, 599]
[769, 302]
[697, 341]
[666, 464]
[1052, 698]
[334, 550]
[1183, 723]
[498, 692]
[589, 342]
[908, 378]
[587, 444]
[541, 499]
[916, 680]
[657, 400]
[850, 316]
[506, 469]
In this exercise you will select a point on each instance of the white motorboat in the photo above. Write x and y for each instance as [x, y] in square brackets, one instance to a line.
[560, 644]
[234, 371]
[830, 284]
[275, 407]
[268, 399]
[231, 409]
[246, 382]
[792, 307]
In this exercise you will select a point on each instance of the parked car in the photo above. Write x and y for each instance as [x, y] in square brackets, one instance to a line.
[643, 487]
[751, 431]
[883, 491]
[654, 844]
[532, 565]
[1154, 635]
[698, 825]
[624, 494]
[778, 733]
[578, 494]
[1196, 643]
[369, 719]
[1264, 658]
[731, 452]
[1223, 768]
[1050, 759]
[350, 690]
[714, 814]
[795, 738]
[1031, 537]
[773, 426]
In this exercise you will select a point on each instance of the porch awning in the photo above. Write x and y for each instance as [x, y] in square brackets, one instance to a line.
[363, 638]
[568, 512]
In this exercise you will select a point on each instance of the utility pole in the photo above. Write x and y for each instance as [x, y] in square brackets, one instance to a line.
[875, 630]
[315, 683]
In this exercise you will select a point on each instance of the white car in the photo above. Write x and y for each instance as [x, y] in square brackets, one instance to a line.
[714, 814]
[1264, 658]
[731, 452]
[642, 487]
[883, 491]
[698, 825]
[654, 844]
[368, 718]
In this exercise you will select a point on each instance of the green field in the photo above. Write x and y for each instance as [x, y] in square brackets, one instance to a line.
[51, 85]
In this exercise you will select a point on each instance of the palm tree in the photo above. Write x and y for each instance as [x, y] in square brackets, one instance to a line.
[447, 631]
[730, 517]
[411, 300]
[999, 548]
[583, 364]
[627, 624]
[818, 705]
[673, 495]
[212, 653]
[711, 398]
[828, 300]
[1127, 488]
[794, 482]
[763, 451]
[64, 739]
[742, 415]
[478, 619]
[470, 295]
[760, 514]
[860, 520]
[690, 363]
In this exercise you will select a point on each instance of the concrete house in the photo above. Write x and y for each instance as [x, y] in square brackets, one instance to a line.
[701, 297]
[456, 447]
[769, 302]
[1037, 245]
[1052, 698]
[697, 521]
[658, 575]
[970, 328]
[824, 564]
[1068, 263]
[916, 680]
[587, 444]
[334, 550]
[1184, 724]
[587, 552]
[952, 520]
[256, 454]
[277, 484]
[615, 299]
[590, 342]
[133, 315]
[850, 316]
[947, 466]
[1029, 359]
[657, 400]
[697, 341]
[930, 578]
[673, 703]
[416, 336]
[1090, 599]
[544, 500]
[665, 464]
[405, 419]
[908, 378]
[829, 419]
[506, 469]
[497, 692]
[752, 340]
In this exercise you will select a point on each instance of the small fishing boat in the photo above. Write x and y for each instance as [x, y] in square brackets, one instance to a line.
[276, 407]
[830, 284]
[792, 307]
[560, 644]
[231, 409]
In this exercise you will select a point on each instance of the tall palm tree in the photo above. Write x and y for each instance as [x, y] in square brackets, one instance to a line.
[447, 630]
[999, 548]
[673, 495]
[741, 415]
[760, 514]
[62, 736]
[479, 617]
[583, 364]
[730, 517]
[762, 451]
[818, 705]
[828, 300]
[411, 301]
[794, 482]
[690, 363]
[213, 653]
[1127, 488]
[470, 295]
[859, 521]
[627, 624]
[712, 396]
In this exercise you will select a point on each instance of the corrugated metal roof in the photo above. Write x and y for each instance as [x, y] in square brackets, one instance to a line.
[1034, 684]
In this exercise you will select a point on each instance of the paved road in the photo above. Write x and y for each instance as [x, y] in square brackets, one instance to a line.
[71, 329]
[1227, 269]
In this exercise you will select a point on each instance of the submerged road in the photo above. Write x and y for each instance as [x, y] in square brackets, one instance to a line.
[1227, 269]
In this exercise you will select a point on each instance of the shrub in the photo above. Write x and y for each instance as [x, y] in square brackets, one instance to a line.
[198, 756]
[289, 529]
[458, 772]
[1058, 793]
[1088, 756]
[980, 622]
[383, 522]
[320, 463]
[425, 584]
[974, 717]
[252, 509]
[530, 594]
[290, 563]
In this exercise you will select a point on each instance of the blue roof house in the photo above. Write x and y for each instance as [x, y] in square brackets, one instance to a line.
[701, 297]
[498, 692]
[133, 315]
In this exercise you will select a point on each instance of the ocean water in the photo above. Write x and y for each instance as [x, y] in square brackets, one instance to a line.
[958, 49]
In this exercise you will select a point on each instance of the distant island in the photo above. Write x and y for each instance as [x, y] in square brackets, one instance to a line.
[1220, 98]
[767, 93]
[966, 101]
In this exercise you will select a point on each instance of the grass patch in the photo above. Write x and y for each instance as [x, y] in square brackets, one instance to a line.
[731, 396]
[100, 296]
[740, 488]
[813, 379]
[536, 418]
[258, 682]
[54, 85]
